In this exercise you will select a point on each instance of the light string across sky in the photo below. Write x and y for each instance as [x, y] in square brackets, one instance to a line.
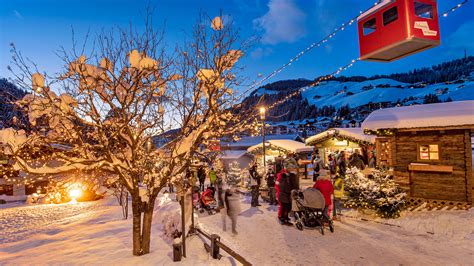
[336, 72]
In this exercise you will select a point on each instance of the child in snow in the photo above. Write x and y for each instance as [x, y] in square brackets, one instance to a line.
[213, 177]
[338, 195]
[325, 186]
[231, 208]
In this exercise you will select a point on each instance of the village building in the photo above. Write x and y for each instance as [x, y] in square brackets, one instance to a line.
[429, 148]
[276, 150]
[349, 140]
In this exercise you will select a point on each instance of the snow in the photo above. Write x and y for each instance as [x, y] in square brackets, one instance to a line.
[336, 93]
[263, 241]
[354, 132]
[286, 144]
[87, 233]
[419, 116]
[94, 232]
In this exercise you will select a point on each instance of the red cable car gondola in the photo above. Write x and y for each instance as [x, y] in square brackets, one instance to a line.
[397, 28]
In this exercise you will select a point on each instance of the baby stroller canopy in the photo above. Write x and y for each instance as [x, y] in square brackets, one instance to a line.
[313, 198]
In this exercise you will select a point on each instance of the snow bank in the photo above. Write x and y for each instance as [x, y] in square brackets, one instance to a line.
[419, 116]
[449, 225]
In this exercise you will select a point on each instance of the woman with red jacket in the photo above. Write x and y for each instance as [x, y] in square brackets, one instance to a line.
[277, 190]
[324, 185]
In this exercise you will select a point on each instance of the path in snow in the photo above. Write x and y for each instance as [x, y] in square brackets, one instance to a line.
[262, 240]
[20, 222]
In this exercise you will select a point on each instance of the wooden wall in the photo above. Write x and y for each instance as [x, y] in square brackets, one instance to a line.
[455, 151]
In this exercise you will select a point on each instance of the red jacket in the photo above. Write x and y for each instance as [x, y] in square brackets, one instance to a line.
[325, 186]
[277, 183]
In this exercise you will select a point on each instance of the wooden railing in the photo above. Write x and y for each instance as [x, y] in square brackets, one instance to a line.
[216, 245]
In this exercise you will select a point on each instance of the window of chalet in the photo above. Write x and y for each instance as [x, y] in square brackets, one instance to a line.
[428, 152]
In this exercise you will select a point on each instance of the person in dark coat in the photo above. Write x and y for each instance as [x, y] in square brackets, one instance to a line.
[201, 177]
[271, 180]
[341, 164]
[284, 197]
[254, 185]
[356, 161]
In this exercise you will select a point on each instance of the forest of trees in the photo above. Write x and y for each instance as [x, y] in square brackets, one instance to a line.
[9, 93]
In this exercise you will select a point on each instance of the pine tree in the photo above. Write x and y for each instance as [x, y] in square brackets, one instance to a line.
[233, 176]
[377, 192]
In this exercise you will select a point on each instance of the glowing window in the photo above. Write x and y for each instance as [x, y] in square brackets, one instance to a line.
[428, 152]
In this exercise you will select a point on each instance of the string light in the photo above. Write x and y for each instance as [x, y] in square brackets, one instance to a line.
[325, 39]
[339, 70]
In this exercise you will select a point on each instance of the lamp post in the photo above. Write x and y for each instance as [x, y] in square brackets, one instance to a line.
[262, 116]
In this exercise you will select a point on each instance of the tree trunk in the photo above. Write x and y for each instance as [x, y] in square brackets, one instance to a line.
[142, 226]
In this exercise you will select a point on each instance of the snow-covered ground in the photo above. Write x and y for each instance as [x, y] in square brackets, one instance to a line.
[95, 233]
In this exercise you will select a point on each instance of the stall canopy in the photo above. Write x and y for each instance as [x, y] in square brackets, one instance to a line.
[283, 144]
[355, 134]
[451, 114]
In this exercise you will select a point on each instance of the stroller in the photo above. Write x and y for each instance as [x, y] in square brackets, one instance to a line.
[309, 210]
[205, 201]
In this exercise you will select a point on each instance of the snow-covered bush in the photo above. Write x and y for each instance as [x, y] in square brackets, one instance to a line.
[377, 192]
[233, 176]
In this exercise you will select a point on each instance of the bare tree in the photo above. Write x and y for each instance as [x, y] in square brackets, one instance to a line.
[107, 106]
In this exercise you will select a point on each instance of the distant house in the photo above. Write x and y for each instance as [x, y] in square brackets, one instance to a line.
[429, 148]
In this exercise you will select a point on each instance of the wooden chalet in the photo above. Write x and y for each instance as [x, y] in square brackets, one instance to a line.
[429, 149]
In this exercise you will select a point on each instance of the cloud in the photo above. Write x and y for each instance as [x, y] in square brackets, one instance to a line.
[462, 37]
[284, 22]
[17, 14]
[261, 52]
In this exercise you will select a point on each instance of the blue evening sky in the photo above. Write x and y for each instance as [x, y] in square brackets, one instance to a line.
[286, 27]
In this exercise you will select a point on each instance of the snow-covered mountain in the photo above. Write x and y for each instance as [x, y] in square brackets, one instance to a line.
[355, 97]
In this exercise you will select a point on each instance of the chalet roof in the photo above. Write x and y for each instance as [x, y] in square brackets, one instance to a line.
[232, 154]
[284, 144]
[437, 115]
[352, 134]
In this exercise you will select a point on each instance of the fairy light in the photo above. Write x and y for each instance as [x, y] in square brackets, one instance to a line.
[326, 39]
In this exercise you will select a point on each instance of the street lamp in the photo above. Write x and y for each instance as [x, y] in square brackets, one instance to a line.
[262, 116]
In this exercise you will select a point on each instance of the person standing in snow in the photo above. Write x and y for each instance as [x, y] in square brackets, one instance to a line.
[372, 161]
[231, 208]
[290, 164]
[201, 177]
[325, 186]
[341, 164]
[277, 190]
[284, 198]
[254, 185]
[213, 177]
[332, 165]
[220, 201]
[271, 188]
[356, 161]
[317, 163]
[338, 195]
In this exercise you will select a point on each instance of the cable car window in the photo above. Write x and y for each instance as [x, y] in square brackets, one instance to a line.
[369, 26]
[423, 10]
[390, 16]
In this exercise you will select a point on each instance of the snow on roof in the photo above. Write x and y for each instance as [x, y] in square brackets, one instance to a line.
[419, 116]
[232, 154]
[351, 133]
[285, 144]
